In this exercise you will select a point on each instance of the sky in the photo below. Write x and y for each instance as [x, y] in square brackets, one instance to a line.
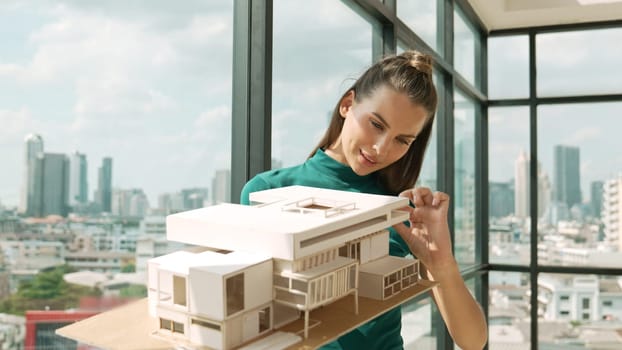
[148, 83]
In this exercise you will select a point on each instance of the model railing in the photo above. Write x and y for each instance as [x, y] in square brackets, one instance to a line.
[306, 295]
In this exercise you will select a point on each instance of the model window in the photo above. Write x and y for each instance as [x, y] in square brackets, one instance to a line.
[264, 319]
[235, 294]
[178, 327]
[166, 324]
[206, 324]
[179, 290]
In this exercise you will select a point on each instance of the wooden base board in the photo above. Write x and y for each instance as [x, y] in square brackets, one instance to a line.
[130, 327]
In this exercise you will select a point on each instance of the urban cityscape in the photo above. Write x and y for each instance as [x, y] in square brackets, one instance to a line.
[103, 241]
[574, 311]
[99, 243]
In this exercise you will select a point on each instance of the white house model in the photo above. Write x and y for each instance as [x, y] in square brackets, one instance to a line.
[294, 250]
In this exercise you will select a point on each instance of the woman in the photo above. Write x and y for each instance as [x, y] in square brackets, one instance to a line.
[375, 144]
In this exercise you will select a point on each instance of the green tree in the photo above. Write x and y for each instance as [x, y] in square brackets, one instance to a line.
[128, 268]
[134, 291]
[47, 290]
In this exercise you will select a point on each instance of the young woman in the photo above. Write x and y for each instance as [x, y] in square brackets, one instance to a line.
[375, 144]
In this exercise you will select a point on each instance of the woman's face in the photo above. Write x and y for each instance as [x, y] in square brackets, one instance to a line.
[377, 131]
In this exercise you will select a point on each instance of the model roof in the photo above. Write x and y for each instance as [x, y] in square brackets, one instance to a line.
[289, 223]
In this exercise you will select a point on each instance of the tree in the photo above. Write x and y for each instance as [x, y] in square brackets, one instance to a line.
[47, 290]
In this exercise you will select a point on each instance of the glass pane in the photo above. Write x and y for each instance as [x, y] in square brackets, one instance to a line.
[337, 47]
[464, 181]
[417, 331]
[508, 67]
[579, 62]
[508, 175]
[113, 115]
[508, 311]
[581, 207]
[420, 16]
[428, 175]
[464, 48]
[582, 311]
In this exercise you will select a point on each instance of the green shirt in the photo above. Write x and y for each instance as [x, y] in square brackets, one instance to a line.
[323, 171]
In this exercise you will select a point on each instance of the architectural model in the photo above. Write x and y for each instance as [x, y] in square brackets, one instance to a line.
[294, 250]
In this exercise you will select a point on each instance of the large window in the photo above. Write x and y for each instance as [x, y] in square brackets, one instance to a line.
[508, 186]
[508, 310]
[580, 221]
[577, 183]
[579, 62]
[508, 67]
[113, 114]
[573, 310]
[464, 47]
[464, 179]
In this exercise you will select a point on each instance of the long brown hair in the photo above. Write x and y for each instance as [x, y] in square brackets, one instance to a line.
[411, 73]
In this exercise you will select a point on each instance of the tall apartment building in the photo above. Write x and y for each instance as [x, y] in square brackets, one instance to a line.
[566, 175]
[78, 184]
[103, 194]
[522, 187]
[33, 146]
[611, 212]
[221, 186]
[49, 195]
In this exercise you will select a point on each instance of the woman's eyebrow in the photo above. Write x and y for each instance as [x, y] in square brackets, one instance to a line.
[377, 115]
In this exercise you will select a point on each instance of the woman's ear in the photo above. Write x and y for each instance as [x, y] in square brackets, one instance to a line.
[346, 103]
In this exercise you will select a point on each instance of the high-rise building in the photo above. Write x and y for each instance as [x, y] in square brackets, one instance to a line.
[33, 146]
[51, 185]
[221, 186]
[566, 175]
[78, 185]
[596, 197]
[129, 203]
[611, 212]
[501, 199]
[103, 195]
[544, 191]
[521, 185]
[194, 198]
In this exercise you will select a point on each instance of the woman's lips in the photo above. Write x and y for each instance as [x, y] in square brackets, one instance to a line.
[367, 160]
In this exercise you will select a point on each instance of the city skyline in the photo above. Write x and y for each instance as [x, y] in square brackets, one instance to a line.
[56, 183]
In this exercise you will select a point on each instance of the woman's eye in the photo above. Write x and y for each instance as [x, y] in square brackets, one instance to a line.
[404, 142]
[376, 125]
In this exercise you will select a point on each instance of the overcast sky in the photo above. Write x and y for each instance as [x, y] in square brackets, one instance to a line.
[148, 83]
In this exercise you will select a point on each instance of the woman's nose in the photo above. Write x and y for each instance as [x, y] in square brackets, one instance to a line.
[380, 145]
